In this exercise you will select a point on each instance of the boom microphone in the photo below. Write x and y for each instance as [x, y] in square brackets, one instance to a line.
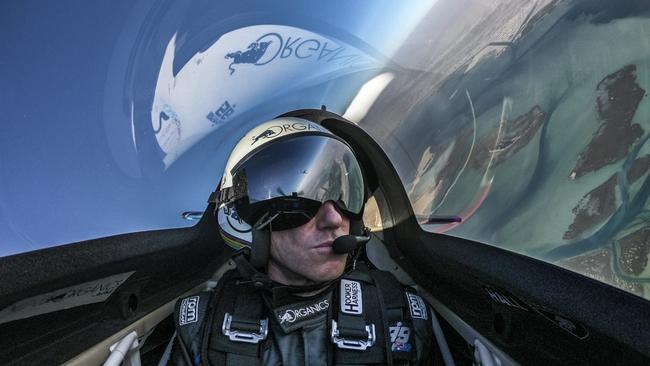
[348, 243]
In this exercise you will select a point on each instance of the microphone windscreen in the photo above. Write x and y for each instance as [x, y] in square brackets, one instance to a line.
[344, 244]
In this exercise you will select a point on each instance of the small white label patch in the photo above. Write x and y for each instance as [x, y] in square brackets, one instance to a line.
[417, 306]
[351, 299]
[189, 311]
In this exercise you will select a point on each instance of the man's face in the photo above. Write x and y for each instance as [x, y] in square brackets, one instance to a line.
[304, 255]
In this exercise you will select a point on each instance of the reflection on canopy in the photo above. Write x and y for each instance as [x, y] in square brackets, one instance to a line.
[532, 125]
[528, 119]
[241, 70]
[152, 116]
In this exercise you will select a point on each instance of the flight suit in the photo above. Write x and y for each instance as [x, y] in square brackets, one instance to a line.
[364, 318]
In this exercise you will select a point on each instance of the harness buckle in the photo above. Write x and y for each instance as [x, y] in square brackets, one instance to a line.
[244, 336]
[353, 344]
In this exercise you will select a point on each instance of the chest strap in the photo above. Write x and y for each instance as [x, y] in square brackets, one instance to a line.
[357, 332]
[239, 326]
[190, 314]
[400, 343]
[377, 321]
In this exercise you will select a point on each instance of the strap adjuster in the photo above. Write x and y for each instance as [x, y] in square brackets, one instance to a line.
[244, 336]
[353, 344]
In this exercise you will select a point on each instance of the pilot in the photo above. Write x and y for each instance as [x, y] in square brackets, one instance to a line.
[291, 201]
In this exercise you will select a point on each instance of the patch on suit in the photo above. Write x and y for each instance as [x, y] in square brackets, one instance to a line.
[189, 311]
[417, 306]
[399, 338]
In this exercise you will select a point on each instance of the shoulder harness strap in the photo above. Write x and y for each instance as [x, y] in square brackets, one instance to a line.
[190, 314]
[357, 330]
[238, 326]
[377, 321]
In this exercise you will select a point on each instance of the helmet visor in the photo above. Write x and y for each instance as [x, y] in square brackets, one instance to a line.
[300, 169]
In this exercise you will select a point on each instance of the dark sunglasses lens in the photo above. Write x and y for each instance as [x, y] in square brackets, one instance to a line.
[290, 220]
[286, 220]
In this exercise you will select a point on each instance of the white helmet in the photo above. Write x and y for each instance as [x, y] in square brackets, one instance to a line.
[278, 176]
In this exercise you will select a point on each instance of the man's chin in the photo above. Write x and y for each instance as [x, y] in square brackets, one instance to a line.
[329, 274]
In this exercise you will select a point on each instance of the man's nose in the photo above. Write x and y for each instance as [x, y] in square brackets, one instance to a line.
[329, 217]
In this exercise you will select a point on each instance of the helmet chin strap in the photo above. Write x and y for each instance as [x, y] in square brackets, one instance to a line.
[260, 247]
[357, 228]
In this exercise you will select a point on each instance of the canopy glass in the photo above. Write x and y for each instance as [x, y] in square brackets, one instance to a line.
[528, 119]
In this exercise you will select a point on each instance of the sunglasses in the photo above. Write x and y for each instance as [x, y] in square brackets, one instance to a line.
[289, 213]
